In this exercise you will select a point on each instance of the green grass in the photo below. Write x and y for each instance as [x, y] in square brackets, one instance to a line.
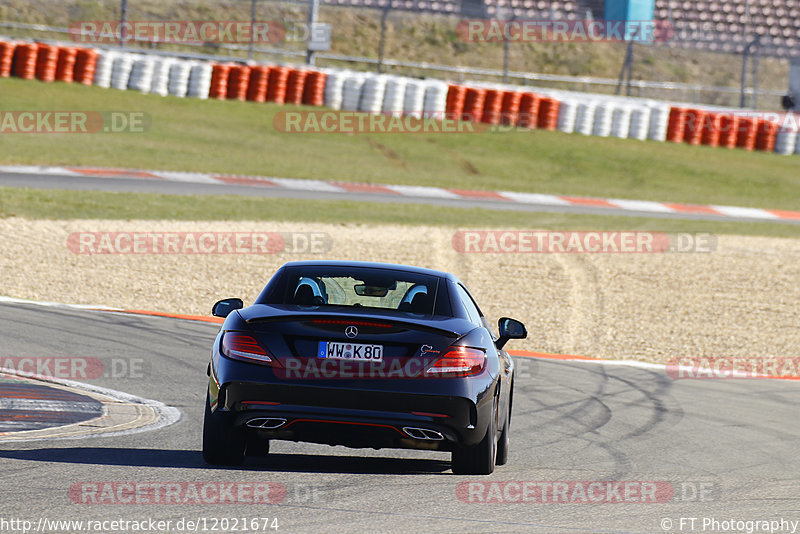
[58, 204]
[239, 137]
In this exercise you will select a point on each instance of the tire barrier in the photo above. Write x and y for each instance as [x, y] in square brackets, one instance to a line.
[372, 92]
[219, 81]
[85, 65]
[492, 107]
[529, 110]
[454, 104]
[587, 114]
[65, 64]
[584, 117]
[46, 63]
[238, 82]
[548, 113]
[473, 104]
[414, 100]
[121, 71]
[276, 87]
[394, 96]
[160, 83]
[6, 58]
[141, 76]
[640, 123]
[295, 85]
[257, 84]
[434, 103]
[314, 91]
[509, 114]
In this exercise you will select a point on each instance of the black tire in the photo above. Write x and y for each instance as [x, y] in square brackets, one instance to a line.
[478, 459]
[503, 440]
[223, 444]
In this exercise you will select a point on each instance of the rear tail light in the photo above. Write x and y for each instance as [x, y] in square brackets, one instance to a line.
[458, 361]
[246, 348]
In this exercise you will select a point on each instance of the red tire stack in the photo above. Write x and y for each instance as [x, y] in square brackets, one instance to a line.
[765, 136]
[529, 110]
[474, 104]
[257, 86]
[65, 65]
[6, 58]
[729, 130]
[314, 91]
[548, 113]
[46, 62]
[85, 64]
[492, 107]
[278, 78]
[676, 129]
[748, 131]
[295, 85]
[238, 80]
[693, 131]
[456, 96]
[25, 60]
[219, 81]
[509, 115]
[712, 128]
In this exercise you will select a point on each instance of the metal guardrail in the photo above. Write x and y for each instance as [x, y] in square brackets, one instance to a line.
[458, 73]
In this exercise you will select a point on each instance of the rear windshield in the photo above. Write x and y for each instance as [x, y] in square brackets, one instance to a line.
[361, 288]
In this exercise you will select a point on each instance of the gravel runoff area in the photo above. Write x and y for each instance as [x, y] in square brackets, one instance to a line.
[742, 300]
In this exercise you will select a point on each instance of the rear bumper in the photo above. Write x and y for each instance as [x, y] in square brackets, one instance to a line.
[354, 418]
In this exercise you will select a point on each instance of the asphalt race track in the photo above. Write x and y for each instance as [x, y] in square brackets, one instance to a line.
[121, 184]
[721, 449]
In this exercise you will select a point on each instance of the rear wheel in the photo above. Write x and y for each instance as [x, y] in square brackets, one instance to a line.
[478, 459]
[223, 443]
[503, 440]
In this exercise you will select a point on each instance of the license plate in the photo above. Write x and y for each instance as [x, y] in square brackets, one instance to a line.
[350, 351]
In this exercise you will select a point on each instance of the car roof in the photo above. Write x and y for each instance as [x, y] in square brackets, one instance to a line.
[370, 265]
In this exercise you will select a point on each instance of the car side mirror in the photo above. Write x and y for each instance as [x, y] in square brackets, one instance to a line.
[509, 329]
[224, 307]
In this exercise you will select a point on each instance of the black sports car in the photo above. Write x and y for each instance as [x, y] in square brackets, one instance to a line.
[361, 355]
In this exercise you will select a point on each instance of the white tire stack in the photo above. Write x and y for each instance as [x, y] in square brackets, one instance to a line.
[351, 92]
[141, 78]
[585, 118]
[160, 84]
[179, 78]
[200, 80]
[567, 115]
[121, 72]
[372, 94]
[621, 122]
[334, 84]
[104, 68]
[394, 96]
[435, 100]
[603, 116]
[659, 121]
[414, 100]
[640, 123]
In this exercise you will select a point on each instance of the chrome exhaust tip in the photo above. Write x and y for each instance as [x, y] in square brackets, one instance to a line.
[423, 433]
[266, 423]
